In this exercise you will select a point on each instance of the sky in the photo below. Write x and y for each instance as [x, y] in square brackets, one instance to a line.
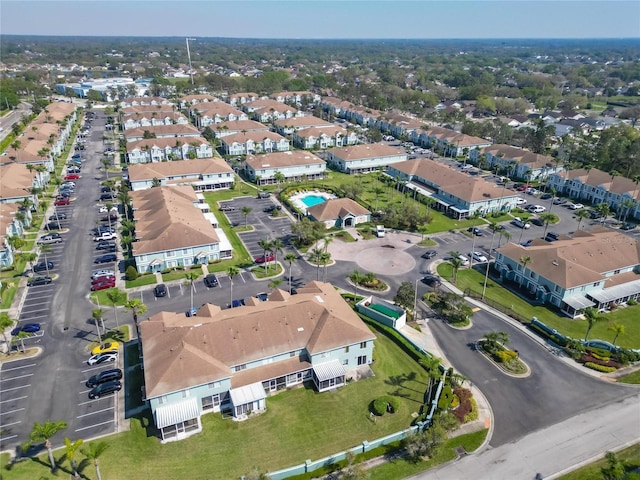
[313, 19]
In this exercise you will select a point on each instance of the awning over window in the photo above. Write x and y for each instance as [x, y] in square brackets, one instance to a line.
[329, 370]
[176, 413]
[578, 302]
[247, 394]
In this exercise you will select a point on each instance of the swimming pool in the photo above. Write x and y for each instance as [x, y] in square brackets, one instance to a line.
[311, 200]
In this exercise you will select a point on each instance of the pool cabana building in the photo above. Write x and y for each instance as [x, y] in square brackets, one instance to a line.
[339, 212]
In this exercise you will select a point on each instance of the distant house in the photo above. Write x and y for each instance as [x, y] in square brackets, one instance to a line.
[339, 212]
[161, 131]
[238, 126]
[191, 100]
[246, 143]
[168, 148]
[294, 165]
[364, 158]
[324, 137]
[238, 99]
[519, 162]
[269, 110]
[398, 124]
[142, 101]
[296, 97]
[202, 174]
[289, 126]
[209, 114]
[450, 142]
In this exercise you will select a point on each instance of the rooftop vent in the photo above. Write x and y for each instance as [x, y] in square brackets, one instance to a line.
[555, 262]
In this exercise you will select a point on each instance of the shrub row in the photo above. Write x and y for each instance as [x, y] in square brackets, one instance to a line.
[473, 414]
[599, 368]
[464, 395]
[504, 356]
[600, 357]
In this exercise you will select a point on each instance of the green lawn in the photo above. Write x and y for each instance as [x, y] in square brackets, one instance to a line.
[100, 298]
[628, 316]
[141, 281]
[180, 275]
[633, 378]
[298, 425]
[271, 271]
[592, 471]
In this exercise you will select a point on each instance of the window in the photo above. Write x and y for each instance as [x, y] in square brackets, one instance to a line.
[208, 403]
[596, 284]
[239, 368]
[185, 251]
[345, 361]
[362, 359]
[214, 385]
[162, 400]
[292, 354]
[363, 345]
[186, 393]
[615, 272]
[170, 253]
[346, 349]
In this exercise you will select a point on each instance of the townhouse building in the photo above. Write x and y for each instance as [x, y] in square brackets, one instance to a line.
[143, 101]
[238, 126]
[453, 192]
[174, 229]
[135, 117]
[249, 143]
[239, 99]
[294, 165]
[209, 114]
[202, 174]
[364, 158]
[17, 183]
[398, 124]
[599, 269]
[13, 221]
[232, 360]
[595, 186]
[165, 149]
[324, 137]
[197, 99]
[162, 131]
[450, 142]
[296, 97]
[267, 110]
[289, 126]
[518, 162]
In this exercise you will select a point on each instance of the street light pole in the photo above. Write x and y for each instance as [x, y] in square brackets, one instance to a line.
[415, 301]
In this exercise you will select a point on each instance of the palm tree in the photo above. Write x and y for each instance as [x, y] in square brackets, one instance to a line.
[97, 314]
[137, 308]
[191, 277]
[592, 316]
[231, 272]
[618, 329]
[70, 451]
[114, 295]
[315, 256]
[581, 215]
[604, 210]
[548, 219]
[245, 213]
[524, 260]
[93, 451]
[5, 322]
[279, 177]
[432, 366]
[495, 339]
[356, 277]
[16, 144]
[290, 258]
[42, 433]
[325, 258]
[275, 283]
[29, 257]
[456, 263]
[276, 246]
[266, 246]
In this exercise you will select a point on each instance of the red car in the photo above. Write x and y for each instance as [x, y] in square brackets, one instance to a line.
[104, 279]
[265, 258]
[522, 188]
[72, 176]
[103, 285]
[61, 201]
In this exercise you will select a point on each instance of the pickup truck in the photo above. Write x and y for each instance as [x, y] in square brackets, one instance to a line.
[104, 236]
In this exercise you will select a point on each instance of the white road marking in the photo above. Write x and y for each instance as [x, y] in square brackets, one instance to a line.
[18, 368]
[93, 426]
[97, 411]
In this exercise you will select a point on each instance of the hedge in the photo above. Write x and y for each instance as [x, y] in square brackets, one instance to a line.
[385, 404]
[599, 368]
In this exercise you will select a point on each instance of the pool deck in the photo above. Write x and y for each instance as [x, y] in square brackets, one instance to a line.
[297, 202]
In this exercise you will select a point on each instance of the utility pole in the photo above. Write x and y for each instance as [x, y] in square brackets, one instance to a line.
[189, 56]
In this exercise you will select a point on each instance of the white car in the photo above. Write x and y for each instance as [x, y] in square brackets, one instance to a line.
[104, 236]
[521, 201]
[576, 206]
[478, 257]
[104, 357]
[102, 273]
[68, 184]
[464, 260]
[536, 208]
[103, 209]
[520, 223]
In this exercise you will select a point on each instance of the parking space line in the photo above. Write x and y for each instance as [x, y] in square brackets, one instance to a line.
[12, 411]
[14, 399]
[16, 378]
[97, 367]
[9, 424]
[15, 388]
[31, 317]
[96, 425]
[97, 411]
[33, 304]
[18, 368]
[2, 439]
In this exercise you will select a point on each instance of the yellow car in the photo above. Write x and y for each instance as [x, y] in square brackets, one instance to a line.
[105, 347]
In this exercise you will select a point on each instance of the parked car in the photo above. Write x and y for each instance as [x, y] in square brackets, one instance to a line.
[106, 388]
[546, 196]
[59, 216]
[552, 236]
[559, 201]
[107, 284]
[521, 201]
[72, 176]
[431, 280]
[160, 290]
[73, 169]
[107, 245]
[464, 260]
[102, 358]
[50, 238]
[536, 208]
[102, 273]
[522, 188]
[265, 258]
[520, 223]
[68, 184]
[109, 218]
[103, 209]
[102, 229]
[42, 266]
[105, 347]
[264, 194]
[429, 254]
[192, 312]
[478, 257]
[538, 222]
[628, 226]
[104, 376]
[76, 155]
[263, 297]
[26, 328]
[109, 257]
[104, 236]
[106, 196]
[62, 201]
[475, 231]
[271, 208]
[211, 280]
[227, 208]
[575, 206]
[41, 280]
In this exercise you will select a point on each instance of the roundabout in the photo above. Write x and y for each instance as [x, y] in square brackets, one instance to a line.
[385, 260]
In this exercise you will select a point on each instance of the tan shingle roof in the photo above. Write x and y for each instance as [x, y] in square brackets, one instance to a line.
[148, 171]
[302, 122]
[162, 130]
[367, 150]
[164, 142]
[595, 177]
[283, 159]
[239, 125]
[167, 219]
[336, 208]
[179, 354]
[255, 136]
[522, 156]
[329, 130]
[581, 260]
[212, 109]
[15, 180]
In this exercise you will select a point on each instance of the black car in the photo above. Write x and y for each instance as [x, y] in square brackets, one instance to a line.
[104, 376]
[106, 388]
[106, 196]
[106, 245]
[160, 290]
[109, 257]
[552, 237]
[475, 231]
[429, 254]
[536, 221]
[271, 208]
[103, 229]
[628, 226]
[42, 266]
[431, 280]
[545, 196]
[211, 280]
[109, 218]
[60, 216]
[27, 328]
[35, 281]
[105, 189]
[53, 226]
[263, 297]
[227, 208]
